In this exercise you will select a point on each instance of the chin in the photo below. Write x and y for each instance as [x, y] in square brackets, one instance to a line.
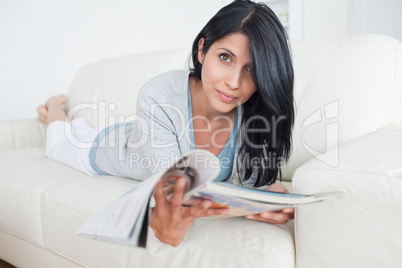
[224, 108]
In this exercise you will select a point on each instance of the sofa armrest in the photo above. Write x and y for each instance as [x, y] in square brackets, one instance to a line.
[22, 133]
[363, 228]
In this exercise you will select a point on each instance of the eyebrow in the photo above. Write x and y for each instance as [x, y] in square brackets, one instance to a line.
[230, 52]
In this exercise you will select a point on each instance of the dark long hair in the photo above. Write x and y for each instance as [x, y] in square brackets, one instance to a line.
[272, 103]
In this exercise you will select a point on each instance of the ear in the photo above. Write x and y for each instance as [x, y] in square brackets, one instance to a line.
[200, 52]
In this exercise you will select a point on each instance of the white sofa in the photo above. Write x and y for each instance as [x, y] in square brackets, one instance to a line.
[347, 136]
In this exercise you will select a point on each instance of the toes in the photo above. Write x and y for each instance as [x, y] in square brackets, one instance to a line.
[42, 110]
[57, 100]
[61, 98]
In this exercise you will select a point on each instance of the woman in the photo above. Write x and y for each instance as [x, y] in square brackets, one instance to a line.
[238, 99]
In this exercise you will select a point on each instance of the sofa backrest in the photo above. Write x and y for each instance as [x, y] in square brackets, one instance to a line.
[105, 92]
[344, 89]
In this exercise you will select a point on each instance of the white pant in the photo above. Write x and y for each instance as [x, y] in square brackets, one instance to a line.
[70, 144]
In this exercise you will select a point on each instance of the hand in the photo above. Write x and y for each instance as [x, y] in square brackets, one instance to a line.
[171, 221]
[281, 216]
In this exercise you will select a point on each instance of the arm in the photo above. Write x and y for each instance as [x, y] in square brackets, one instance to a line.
[157, 131]
[148, 141]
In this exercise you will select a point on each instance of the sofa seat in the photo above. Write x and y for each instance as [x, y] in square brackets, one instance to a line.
[53, 200]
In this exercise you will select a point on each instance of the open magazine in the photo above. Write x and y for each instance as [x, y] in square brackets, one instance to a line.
[125, 220]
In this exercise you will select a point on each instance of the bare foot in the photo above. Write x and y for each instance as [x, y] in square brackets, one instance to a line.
[42, 114]
[52, 110]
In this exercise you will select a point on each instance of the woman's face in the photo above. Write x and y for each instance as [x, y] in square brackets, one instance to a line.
[226, 73]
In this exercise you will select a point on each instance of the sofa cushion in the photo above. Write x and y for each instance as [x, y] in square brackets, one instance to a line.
[67, 206]
[25, 175]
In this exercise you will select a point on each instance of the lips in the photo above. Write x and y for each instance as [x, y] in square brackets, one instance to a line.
[226, 97]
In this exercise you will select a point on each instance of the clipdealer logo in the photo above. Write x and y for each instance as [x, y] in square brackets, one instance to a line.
[331, 116]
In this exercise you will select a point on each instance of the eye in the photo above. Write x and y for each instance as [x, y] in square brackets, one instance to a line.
[250, 69]
[224, 57]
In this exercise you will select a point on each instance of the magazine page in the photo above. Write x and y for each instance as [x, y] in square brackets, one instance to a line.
[198, 168]
[269, 196]
[236, 206]
[122, 220]
[243, 203]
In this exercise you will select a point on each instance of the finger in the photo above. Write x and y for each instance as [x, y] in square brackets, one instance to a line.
[290, 212]
[269, 220]
[215, 212]
[200, 208]
[270, 217]
[212, 212]
[277, 187]
[177, 197]
[275, 216]
[159, 194]
[257, 217]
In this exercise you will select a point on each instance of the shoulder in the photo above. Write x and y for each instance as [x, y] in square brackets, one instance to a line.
[170, 76]
[167, 88]
[168, 84]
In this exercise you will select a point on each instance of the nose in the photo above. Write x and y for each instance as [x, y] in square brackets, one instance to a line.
[233, 78]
